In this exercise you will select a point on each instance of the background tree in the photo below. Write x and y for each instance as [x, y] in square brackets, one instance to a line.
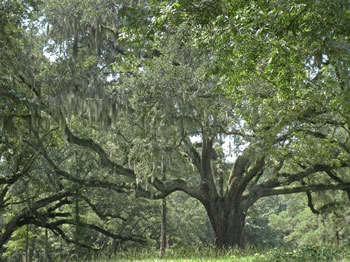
[31, 194]
[325, 223]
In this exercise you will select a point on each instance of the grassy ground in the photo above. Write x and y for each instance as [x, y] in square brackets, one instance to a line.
[185, 260]
[316, 254]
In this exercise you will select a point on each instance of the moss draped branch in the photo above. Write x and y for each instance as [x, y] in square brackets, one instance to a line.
[281, 183]
[22, 217]
[166, 188]
[302, 189]
[105, 160]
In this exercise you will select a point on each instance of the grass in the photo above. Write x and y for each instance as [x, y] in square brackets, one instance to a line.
[183, 260]
[316, 254]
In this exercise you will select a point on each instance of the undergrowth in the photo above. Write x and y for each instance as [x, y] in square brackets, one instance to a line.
[307, 253]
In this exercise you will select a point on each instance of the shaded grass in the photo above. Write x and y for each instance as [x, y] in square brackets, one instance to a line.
[316, 254]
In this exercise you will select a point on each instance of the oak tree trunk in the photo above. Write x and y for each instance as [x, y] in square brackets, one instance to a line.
[228, 224]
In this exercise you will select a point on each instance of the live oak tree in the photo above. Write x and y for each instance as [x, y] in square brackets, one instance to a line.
[177, 84]
[295, 67]
[256, 173]
[30, 193]
[303, 126]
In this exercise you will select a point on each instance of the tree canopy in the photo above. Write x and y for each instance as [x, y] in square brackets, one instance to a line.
[106, 105]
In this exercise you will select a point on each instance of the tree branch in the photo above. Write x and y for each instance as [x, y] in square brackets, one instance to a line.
[253, 171]
[286, 179]
[105, 161]
[311, 204]
[333, 175]
[192, 152]
[20, 218]
[309, 200]
[299, 189]
[55, 225]
[100, 214]
[120, 188]
[167, 188]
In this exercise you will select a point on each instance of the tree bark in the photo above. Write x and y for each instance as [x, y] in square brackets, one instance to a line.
[47, 257]
[226, 210]
[227, 220]
[163, 238]
[163, 228]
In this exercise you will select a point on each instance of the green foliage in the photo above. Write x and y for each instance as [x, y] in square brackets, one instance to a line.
[311, 253]
[301, 227]
[307, 253]
[268, 54]
[187, 224]
[158, 75]
[259, 231]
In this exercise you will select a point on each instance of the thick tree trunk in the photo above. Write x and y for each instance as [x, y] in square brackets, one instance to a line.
[226, 210]
[228, 224]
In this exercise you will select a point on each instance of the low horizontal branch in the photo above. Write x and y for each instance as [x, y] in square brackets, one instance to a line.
[105, 160]
[305, 188]
[97, 229]
[102, 215]
[166, 188]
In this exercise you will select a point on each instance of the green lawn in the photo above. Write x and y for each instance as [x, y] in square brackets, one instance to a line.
[185, 260]
[188, 259]
[316, 254]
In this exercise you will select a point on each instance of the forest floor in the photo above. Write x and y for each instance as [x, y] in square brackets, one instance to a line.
[309, 253]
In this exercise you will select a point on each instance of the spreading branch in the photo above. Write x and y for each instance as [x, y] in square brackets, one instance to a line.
[102, 215]
[21, 217]
[302, 189]
[334, 176]
[105, 160]
[166, 188]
